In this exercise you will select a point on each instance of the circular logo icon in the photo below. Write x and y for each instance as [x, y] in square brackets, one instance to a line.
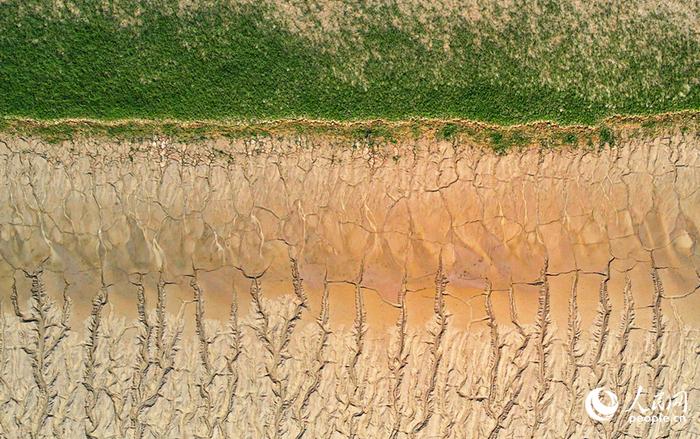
[597, 409]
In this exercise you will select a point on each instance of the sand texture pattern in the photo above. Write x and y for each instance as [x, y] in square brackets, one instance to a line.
[303, 286]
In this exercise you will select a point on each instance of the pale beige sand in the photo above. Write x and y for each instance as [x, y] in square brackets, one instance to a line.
[453, 281]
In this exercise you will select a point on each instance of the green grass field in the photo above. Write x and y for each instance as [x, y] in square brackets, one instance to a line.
[487, 61]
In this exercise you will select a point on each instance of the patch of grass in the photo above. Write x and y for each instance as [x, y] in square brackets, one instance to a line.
[497, 142]
[570, 138]
[224, 61]
[606, 136]
[519, 139]
[504, 140]
[448, 131]
[373, 134]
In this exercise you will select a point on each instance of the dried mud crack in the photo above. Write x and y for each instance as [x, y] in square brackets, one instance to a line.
[304, 286]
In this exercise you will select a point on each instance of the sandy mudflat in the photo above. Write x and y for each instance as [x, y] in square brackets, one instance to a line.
[417, 289]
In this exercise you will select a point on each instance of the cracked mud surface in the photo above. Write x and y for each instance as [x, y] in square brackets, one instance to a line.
[305, 287]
